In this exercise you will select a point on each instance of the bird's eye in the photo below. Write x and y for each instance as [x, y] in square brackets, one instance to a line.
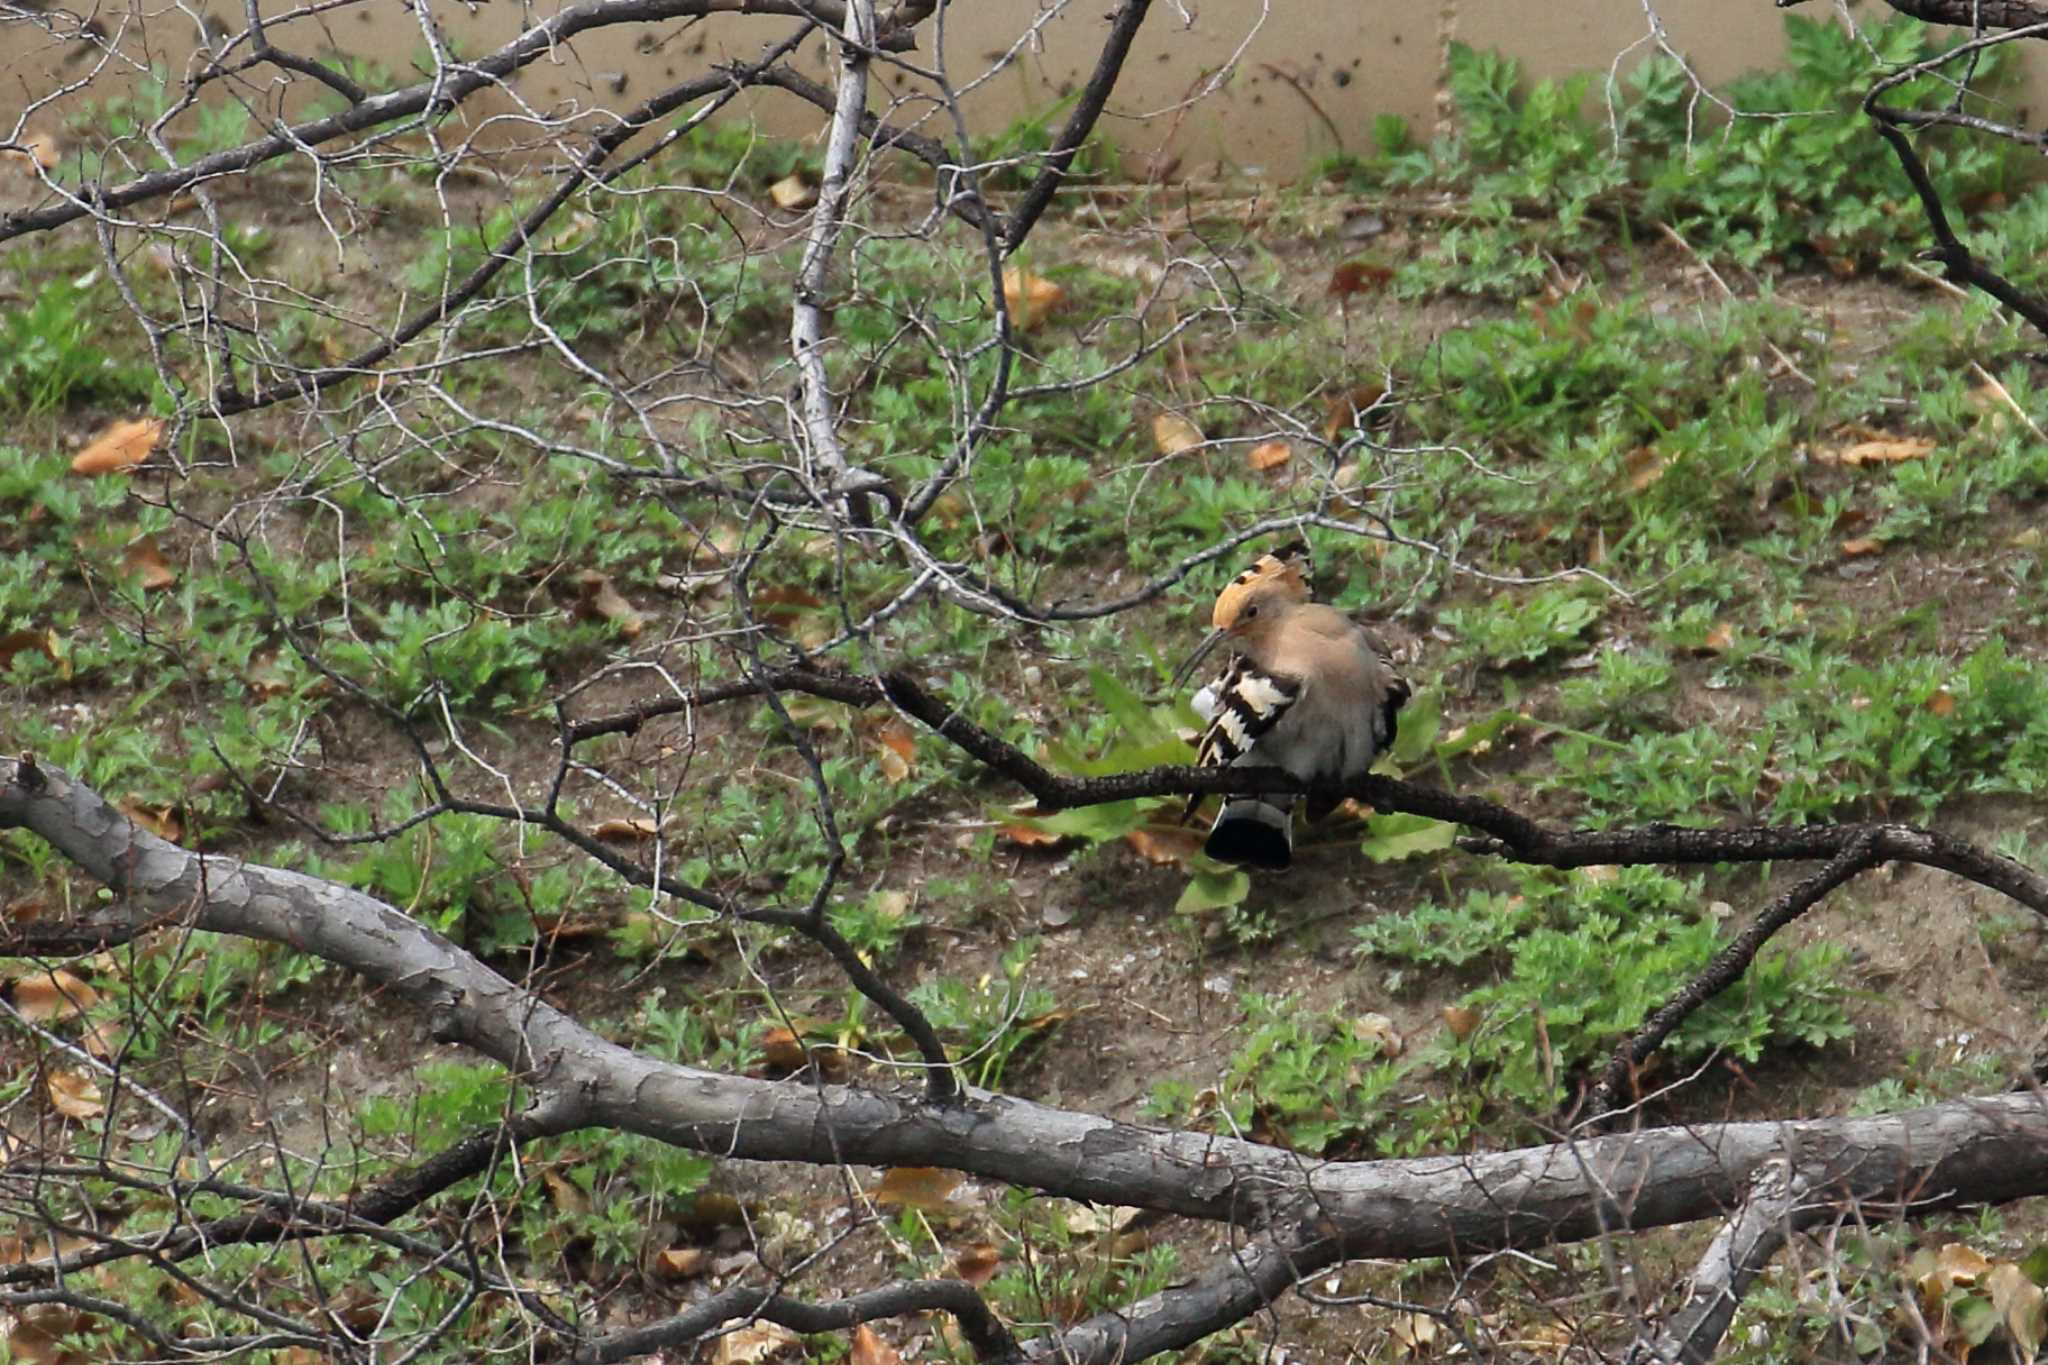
[1251, 611]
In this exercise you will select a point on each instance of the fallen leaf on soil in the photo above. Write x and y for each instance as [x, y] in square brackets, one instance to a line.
[1890, 451]
[1343, 411]
[793, 192]
[1600, 873]
[681, 1263]
[896, 750]
[1414, 1333]
[1164, 846]
[2019, 1303]
[567, 1197]
[1270, 455]
[978, 1264]
[1460, 1020]
[1942, 703]
[870, 1349]
[1642, 467]
[37, 149]
[104, 1040]
[637, 830]
[753, 1345]
[1861, 545]
[1030, 836]
[598, 599]
[51, 995]
[162, 821]
[1720, 638]
[1546, 1338]
[916, 1187]
[147, 562]
[1174, 434]
[1378, 1030]
[49, 1338]
[1030, 299]
[1358, 277]
[782, 1050]
[120, 447]
[75, 1096]
[43, 642]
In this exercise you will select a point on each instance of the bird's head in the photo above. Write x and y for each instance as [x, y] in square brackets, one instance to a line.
[1251, 608]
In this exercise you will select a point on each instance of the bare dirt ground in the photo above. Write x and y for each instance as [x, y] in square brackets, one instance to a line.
[1145, 995]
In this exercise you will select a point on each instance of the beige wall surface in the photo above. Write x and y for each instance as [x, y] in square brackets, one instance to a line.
[1221, 86]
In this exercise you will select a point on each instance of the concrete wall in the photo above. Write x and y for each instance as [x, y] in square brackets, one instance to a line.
[1307, 79]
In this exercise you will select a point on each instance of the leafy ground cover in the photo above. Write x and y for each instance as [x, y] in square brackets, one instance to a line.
[1707, 506]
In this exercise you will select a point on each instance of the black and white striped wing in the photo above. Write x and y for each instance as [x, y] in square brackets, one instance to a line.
[1244, 704]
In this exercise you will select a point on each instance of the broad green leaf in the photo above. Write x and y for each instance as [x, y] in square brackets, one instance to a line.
[1392, 837]
[1215, 890]
[1133, 717]
[1477, 733]
[1096, 824]
[1416, 730]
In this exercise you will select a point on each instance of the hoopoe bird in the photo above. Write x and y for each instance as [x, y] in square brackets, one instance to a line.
[1310, 690]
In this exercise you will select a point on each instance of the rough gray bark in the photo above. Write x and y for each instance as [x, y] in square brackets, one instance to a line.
[1316, 1214]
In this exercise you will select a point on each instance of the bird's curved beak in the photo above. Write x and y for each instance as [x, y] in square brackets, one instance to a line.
[1194, 660]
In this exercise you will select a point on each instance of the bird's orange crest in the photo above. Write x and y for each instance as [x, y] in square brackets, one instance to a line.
[1289, 565]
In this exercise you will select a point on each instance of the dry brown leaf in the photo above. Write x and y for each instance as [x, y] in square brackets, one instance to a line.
[782, 1051]
[119, 447]
[753, 1345]
[1359, 277]
[1174, 434]
[1460, 1020]
[1268, 455]
[1030, 836]
[1889, 450]
[1342, 411]
[1164, 846]
[1955, 1264]
[51, 995]
[1720, 638]
[146, 561]
[104, 1040]
[978, 1264]
[793, 193]
[870, 1349]
[916, 1187]
[44, 642]
[48, 1337]
[895, 750]
[1030, 299]
[1642, 467]
[1414, 1333]
[566, 1196]
[2019, 1303]
[1379, 1030]
[1861, 545]
[1942, 703]
[75, 1096]
[162, 821]
[681, 1263]
[634, 831]
[36, 150]
[598, 599]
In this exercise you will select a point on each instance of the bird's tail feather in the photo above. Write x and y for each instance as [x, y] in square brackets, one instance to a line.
[1253, 833]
